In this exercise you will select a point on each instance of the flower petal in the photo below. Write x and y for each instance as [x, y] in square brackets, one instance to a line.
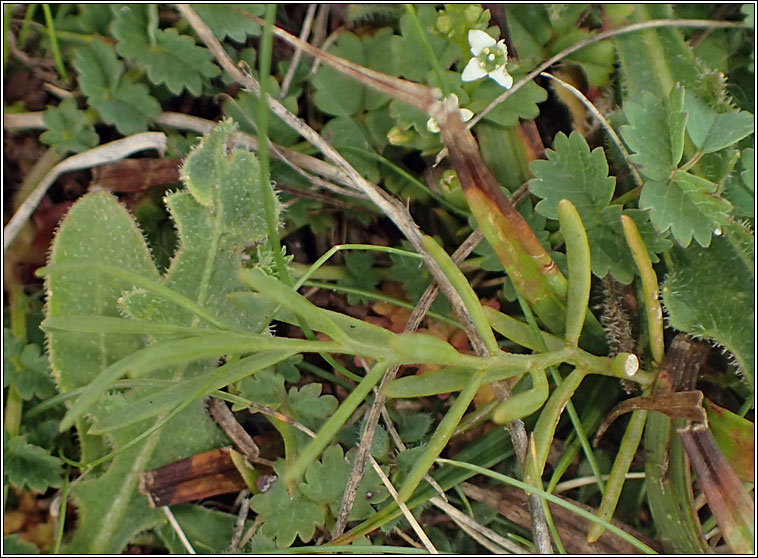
[501, 76]
[432, 126]
[473, 71]
[466, 114]
[479, 40]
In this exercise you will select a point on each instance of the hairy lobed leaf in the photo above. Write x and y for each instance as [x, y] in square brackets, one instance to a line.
[68, 128]
[218, 215]
[710, 294]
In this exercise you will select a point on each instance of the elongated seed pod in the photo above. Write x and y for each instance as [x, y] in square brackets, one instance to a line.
[580, 271]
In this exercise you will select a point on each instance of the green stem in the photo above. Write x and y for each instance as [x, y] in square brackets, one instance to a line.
[627, 449]
[421, 35]
[575, 421]
[26, 24]
[439, 439]
[551, 498]
[61, 514]
[650, 299]
[54, 42]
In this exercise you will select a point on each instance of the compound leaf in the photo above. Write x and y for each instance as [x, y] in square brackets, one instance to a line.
[25, 368]
[656, 133]
[30, 466]
[128, 106]
[68, 128]
[688, 205]
[166, 56]
[225, 20]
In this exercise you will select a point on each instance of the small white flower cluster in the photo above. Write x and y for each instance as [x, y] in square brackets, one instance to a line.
[489, 59]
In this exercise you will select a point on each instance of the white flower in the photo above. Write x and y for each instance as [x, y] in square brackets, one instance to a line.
[489, 59]
[466, 115]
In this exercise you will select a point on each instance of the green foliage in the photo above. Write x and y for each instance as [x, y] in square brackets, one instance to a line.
[218, 214]
[68, 128]
[574, 173]
[25, 368]
[711, 131]
[225, 21]
[284, 517]
[14, 544]
[710, 294]
[656, 133]
[120, 102]
[25, 465]
[361, 275]
[164, 54]
[686, 204]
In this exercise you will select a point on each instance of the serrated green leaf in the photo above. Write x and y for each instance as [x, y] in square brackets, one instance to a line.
[26, 369]
[655, 133]
[99, 70]
[265, 388]
[325, 483]
[225, 21]
[310, 407]
[521, 105]
[284, 517]
[131, 108]
[711, 292]
[361, 275]
[126, 105]
[68, 128]
[687, 205]
[166, 56]
[325, 479]
[711, 131]
[407, 52]
[25, 465]
[574, 173]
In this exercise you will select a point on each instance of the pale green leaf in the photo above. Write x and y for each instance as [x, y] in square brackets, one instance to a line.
[688, 205]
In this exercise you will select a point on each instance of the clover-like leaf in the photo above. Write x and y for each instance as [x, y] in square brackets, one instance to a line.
[68, 128]
[26, 465]
[688, 205]
[711, 131]
[226, 21]
[656, 133]
[285, 517]
[26, 369]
